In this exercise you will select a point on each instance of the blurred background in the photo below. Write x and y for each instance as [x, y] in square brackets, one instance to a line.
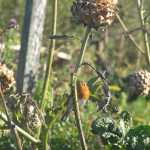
[108, 49]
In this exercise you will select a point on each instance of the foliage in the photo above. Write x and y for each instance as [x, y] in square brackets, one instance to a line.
[138, 138]
[135, 138]
[107, 129]
[109, 50]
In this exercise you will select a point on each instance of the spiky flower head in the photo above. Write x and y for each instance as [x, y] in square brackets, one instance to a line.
[139, 83]
[94, 13]
[6, 78]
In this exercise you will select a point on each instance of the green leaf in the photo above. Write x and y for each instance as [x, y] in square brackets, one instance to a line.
[108, 130]
[138, 138]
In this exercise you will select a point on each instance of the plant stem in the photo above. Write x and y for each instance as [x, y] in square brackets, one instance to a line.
[12, 127]
[51, 54]
[74, 80]
[129, 34]
[78, 118]
[46, 129]
[44, 138]
[27, 135]
[145, 34]
[44, 135]
[83, 48]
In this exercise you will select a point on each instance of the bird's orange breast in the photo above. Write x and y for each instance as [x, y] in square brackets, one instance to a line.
[83, 90]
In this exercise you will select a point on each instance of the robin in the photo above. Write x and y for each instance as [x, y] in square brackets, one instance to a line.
[83, 93]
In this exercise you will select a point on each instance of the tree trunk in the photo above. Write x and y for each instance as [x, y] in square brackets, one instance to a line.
[30, 44]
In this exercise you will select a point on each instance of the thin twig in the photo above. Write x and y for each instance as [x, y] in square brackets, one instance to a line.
[129, 34]
[132, 30]
[145, 34]
[61, 37]
[12, 127]
[100, 74]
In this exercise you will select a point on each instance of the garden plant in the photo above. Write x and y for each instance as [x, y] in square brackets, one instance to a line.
[75, 77]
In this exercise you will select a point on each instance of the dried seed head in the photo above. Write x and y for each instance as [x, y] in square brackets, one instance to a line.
[94, 13]
[139, 83]
[6, 77]
[32, 117]
[34, 121]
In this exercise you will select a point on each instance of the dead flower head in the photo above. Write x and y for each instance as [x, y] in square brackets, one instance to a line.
[6, 77]
[94, 13]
